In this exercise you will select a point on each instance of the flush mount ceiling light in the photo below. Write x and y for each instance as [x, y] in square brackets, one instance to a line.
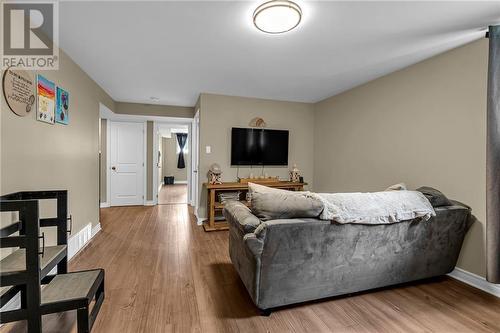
[277, 16]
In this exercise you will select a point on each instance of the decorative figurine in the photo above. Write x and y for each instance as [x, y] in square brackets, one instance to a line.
[257, 122]
[295, 174]
[215, 174]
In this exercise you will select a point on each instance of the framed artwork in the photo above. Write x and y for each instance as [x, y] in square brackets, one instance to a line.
[46, 99]
[19, 90]
[62, 106]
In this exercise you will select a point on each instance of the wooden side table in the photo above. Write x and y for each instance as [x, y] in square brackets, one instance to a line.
[214, 205]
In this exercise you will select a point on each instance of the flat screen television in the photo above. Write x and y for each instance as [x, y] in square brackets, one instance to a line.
[257, 146]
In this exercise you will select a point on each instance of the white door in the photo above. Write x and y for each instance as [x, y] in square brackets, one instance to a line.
[126, 163]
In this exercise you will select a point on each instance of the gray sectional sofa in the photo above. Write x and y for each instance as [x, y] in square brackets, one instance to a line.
[288, 261]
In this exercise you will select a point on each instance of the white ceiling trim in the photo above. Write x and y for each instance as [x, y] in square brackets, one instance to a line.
[106, 113]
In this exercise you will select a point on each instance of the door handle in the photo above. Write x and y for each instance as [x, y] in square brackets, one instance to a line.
[113, 168]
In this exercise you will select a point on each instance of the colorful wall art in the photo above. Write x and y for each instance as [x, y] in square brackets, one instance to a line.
[62, 106]
[46, 100]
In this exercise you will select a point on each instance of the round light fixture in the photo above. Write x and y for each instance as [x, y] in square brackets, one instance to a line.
[277, 16]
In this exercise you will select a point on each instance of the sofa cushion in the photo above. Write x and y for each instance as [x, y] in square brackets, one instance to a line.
[435, 197]
[271, 204]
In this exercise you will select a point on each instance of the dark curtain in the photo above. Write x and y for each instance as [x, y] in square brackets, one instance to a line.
[181, 139]
[493, 160]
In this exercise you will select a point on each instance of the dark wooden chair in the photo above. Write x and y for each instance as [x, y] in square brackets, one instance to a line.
[29, 266]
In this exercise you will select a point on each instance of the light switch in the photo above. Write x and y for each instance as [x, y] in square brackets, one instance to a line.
[208, 149]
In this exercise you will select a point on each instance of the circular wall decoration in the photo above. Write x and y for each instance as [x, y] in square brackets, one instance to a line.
[19, 90]
[257, 122]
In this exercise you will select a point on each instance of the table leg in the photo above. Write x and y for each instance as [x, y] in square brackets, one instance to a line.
[211, 221]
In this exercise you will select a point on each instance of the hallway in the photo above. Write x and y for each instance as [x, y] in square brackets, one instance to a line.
[173, 194]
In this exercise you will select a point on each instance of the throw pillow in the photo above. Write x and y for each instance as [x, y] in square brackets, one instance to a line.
[435, 197]
[271, 204]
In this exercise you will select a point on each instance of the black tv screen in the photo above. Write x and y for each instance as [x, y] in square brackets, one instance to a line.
[255, 146]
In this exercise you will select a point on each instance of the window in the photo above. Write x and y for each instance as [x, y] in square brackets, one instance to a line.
[178, 148]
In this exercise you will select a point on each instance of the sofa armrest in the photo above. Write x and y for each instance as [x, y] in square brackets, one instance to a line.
[240, 216]
[254, 244]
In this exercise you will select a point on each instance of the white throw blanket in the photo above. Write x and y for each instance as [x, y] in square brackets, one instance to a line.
[374, 208]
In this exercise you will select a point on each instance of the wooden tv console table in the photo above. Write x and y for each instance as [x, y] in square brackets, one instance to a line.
[214, 205]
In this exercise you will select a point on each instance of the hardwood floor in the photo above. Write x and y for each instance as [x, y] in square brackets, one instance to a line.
[165, 274]
[173, 194]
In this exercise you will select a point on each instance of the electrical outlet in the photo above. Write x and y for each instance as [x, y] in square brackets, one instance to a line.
[208, 149]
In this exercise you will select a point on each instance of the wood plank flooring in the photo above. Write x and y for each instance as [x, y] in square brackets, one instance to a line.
[165, 274]
[172, 194]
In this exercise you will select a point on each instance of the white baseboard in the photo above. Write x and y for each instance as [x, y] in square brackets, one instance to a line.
[199, 220]
[78, 241]
[176, 182]
[104, 205]
[96, 229]
[149, 203]
[476, 281]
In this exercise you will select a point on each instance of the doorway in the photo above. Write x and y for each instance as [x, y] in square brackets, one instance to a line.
[173, 163]
[153, 178]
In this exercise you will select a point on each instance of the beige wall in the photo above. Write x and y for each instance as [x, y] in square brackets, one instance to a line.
[154, 110]
[40, 156]
[424, 125]
[219, 113]
[170, 157]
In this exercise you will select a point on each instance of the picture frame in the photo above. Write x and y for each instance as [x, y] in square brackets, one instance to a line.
[45, 92]
[62, 106]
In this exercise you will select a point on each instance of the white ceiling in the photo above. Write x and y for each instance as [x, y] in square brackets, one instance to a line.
[176, 50]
